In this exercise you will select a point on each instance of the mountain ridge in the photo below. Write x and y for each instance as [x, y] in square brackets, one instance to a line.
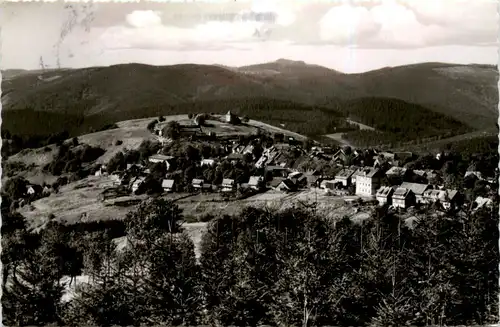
[468, 93]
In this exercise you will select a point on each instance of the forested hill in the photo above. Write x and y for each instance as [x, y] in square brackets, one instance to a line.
[410, 121]
[468, 93]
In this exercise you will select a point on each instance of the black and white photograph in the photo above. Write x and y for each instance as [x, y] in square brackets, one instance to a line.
[250, 163]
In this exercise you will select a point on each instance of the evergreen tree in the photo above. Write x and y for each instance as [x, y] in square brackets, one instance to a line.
[34, 295]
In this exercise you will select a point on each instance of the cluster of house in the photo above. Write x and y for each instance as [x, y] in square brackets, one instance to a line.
[368, 183]
[359, 178]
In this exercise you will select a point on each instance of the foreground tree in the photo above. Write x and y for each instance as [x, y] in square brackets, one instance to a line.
[34, 295]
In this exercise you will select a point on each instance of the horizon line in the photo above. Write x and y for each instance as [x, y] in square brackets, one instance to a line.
[301, 62]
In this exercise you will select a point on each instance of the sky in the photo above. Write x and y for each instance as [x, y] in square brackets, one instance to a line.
[346, 35]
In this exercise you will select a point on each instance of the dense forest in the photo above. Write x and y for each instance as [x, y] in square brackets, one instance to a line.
[30, 128]
[397, 121]
[289, 267]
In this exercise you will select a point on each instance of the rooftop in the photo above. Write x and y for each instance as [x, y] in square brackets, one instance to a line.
[167, 183]
[401, 192]
[367, 172]
[396, 171]
[345, 173]
[160, 157]
[384, 191]
[416, 188]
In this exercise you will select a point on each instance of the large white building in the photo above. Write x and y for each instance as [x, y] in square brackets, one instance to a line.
[367, 181]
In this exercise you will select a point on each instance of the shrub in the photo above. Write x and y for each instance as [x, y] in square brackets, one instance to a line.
[118, 142]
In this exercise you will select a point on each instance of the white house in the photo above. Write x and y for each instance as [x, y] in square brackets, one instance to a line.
[403, 198]
[384, 195]
[367, 181]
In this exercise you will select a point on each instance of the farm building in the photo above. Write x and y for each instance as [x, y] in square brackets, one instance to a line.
[403, 198]
[328, 184]
[33, 189]
[480, 202]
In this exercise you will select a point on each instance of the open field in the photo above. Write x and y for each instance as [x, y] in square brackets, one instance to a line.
[79, 202]
[75, 202]
[362, 126]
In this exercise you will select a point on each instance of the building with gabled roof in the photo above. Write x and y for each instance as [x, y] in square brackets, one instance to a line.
[368, 181]
[384, 195]
[286, 185]
[403, 198]
[345, 176]
[447, 198]
[417, 189]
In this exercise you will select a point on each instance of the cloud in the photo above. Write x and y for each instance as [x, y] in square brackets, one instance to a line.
[345, 24]
[411, 24]
[146, 31]
[144, 18]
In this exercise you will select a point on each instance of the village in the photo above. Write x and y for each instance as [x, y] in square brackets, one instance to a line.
[286, 166]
